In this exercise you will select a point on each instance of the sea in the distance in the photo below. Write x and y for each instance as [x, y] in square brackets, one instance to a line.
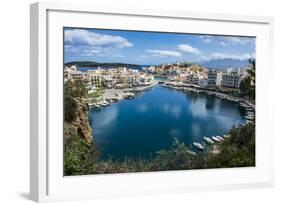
[150, 122]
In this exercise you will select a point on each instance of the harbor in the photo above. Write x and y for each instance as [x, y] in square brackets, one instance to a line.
[114, 95]
[163, 113]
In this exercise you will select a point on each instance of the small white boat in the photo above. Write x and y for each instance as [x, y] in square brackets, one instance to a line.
[91, 104]
[250, 113]
[226, 136]
[208, 140]
[219, 137]
[249, 121]
[198, 146]
[191, 152]
[97, 106]
[216, 139]
[249, 117]
[104, 104]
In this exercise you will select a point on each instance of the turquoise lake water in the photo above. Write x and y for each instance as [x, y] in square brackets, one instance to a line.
[150, 122]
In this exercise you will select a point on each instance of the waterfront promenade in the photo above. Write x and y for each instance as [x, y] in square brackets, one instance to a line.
[113, 94]
[197, 89]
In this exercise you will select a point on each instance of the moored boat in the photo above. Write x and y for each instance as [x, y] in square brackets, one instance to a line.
[249, 117]
[191, 152]
[208, 140]
[198, 146]
[219, 137]
[216, 139]
[226, 136]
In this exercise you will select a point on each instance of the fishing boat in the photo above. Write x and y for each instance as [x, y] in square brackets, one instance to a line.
[198, 146]
[208, 140]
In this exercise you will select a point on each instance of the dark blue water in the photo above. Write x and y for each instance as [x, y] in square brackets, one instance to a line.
[152, 120]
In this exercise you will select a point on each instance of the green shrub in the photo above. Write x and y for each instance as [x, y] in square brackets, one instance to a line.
[70, 108]
[237, 151]
[75, 89]
[77, 154]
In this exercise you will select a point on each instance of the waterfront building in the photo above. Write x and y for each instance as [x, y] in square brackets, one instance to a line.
[72, 73]
[212, 78]
[231, 79]
[219, 78]
[95, 78]
[78, 75]
[194, 79]
[202, 81]
[112, 71]
[108, 81]
[151, 69]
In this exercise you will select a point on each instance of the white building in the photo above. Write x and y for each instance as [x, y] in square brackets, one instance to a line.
[95, 78]
[231, 79]
[72, 73]
[212, 78]
[219, 78]
[202, 81]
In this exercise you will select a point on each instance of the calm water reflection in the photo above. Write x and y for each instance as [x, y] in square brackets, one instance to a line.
[155, 117]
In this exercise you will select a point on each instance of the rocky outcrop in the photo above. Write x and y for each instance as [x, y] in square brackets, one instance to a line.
[80, 126]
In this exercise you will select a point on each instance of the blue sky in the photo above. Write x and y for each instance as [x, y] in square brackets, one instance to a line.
[150, 48]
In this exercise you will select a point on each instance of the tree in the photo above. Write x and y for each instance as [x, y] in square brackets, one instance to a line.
[245, 85]
[252, 70]
[75, 89]
[70, 108]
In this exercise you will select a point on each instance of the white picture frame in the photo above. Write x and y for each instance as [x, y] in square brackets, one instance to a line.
[47, 182]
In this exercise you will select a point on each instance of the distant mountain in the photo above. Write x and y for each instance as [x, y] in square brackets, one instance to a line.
[225, 63]
[92, 64]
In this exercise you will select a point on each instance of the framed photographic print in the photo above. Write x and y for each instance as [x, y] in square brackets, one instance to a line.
[127, 102]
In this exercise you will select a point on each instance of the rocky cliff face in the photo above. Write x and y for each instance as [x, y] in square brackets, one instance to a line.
[80, 126]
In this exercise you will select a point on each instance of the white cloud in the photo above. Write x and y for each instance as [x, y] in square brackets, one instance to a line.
[88, 38]
[207, 40]
[165, 53]
[186, 48]
[238, 40]
[83, 50]
[222, 43]
[87, 43]
[228, 40]
[216, 56]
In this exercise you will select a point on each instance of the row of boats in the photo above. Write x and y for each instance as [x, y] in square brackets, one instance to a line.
[199, 90]
[99, 104]
[107, 102]
[250, 112]
[214, 139]
[227, 97]
[210, 140]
